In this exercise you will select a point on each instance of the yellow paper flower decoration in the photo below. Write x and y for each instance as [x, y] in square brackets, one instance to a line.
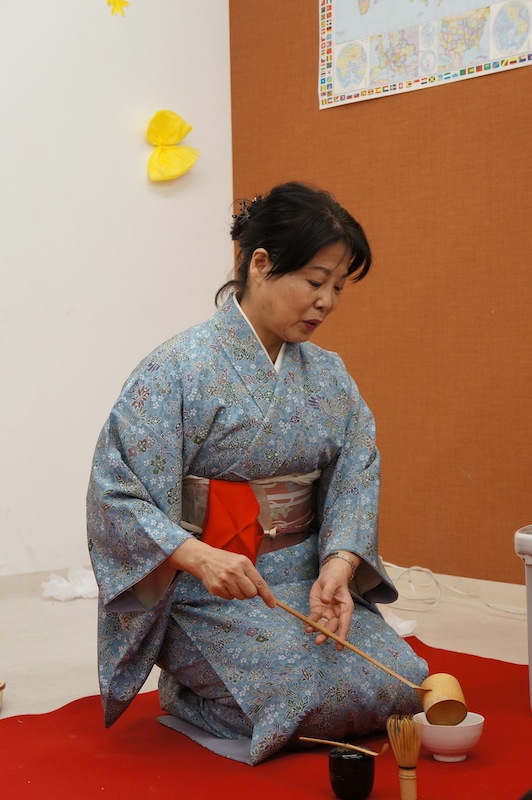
[169, 159]
[117, 6]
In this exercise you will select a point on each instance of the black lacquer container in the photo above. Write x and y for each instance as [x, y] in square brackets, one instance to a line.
[351, 774]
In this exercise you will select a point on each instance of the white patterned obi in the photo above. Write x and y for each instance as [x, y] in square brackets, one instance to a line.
[286, 507]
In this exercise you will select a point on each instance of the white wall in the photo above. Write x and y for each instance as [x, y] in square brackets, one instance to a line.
[97, 265]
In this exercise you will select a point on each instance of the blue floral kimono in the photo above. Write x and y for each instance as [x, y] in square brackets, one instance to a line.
[210, 403]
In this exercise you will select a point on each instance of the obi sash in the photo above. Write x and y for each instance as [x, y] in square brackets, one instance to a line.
[249, 518]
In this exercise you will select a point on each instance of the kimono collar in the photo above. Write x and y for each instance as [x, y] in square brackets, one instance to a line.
[279, 360]
[237, 336]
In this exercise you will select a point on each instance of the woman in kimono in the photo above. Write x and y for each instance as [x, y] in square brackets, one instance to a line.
[237, 467]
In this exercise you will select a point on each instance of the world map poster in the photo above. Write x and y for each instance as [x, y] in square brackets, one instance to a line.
[374, 48]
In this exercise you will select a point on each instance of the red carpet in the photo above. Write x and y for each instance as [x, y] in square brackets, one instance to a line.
[68, 755]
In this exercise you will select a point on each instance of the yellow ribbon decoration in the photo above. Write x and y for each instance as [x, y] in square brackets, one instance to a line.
[169, 159]
[117, 6]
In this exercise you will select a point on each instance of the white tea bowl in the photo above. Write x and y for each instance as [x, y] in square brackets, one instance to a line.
[451, 742]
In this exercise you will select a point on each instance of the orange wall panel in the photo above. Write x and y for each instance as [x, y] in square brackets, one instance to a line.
[439, 335]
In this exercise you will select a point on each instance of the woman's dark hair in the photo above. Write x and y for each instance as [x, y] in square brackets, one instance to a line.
[292, 223]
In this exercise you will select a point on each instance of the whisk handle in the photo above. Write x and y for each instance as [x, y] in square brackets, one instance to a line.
[408, 783]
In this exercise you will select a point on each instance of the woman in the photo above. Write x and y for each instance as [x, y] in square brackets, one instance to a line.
[238, 467]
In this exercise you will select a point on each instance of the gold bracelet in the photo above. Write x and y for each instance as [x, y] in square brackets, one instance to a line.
[345, 558]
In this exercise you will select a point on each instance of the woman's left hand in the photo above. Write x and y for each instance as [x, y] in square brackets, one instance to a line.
[331, 603]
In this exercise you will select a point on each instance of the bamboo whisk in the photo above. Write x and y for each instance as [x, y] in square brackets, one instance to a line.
[405, 738]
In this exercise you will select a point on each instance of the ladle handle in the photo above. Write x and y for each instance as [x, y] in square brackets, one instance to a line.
[344, 643]
[344, 745]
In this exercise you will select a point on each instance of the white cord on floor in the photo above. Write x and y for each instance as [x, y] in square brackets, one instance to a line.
[426, 602]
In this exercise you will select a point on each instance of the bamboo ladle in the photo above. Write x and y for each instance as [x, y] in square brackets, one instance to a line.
[441, 694]
[346, 746]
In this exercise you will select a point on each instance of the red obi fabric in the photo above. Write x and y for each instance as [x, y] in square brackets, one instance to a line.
[231, 518]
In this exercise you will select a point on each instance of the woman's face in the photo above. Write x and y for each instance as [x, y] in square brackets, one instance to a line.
[290, 307]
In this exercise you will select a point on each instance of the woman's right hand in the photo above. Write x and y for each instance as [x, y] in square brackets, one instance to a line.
[231, 576]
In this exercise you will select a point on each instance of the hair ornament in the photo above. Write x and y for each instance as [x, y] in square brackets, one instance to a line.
[247, 209]
[243, 214]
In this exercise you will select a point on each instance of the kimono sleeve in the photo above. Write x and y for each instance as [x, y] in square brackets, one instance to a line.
[348, 499]
[134, 508]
